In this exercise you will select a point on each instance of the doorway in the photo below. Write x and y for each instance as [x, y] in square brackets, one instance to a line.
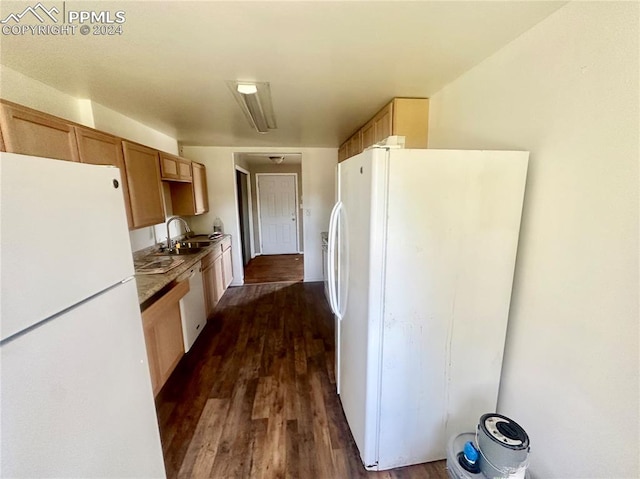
[278, 212]
[270, 264]
[243, 190]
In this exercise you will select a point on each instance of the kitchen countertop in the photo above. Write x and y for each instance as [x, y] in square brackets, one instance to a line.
[151, 284]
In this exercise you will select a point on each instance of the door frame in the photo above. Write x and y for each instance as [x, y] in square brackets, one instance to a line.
[295, 184]
[252, 246]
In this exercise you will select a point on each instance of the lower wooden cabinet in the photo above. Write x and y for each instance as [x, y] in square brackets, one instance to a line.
[163, 335]
[227, 266]
[217, 274]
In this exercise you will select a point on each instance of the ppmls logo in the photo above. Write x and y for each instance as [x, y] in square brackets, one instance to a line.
[34, 12]
[90, 22]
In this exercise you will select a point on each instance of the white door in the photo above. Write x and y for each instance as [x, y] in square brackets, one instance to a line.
[277, 207]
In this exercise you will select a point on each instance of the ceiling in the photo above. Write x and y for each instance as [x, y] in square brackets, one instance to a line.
[263, 159]
[331, 65]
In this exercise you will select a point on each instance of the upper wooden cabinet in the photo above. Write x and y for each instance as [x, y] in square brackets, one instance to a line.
[355, 144]
[98, 148]
[30, 132]
[174, 168]
[142, 165]
[200, 192]
[342, 152]
[368, 133]
[142, 169]
[408, 117]
[189, 199]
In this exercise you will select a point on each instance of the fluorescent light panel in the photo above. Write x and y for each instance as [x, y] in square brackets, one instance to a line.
[254, 99]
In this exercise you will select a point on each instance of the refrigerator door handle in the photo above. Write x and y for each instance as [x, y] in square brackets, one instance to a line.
[333, 237]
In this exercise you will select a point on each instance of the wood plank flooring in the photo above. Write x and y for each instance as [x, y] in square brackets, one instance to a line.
[274, 268]
[255, 396]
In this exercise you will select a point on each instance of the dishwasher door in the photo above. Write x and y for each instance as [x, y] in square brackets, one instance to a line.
[192, 309]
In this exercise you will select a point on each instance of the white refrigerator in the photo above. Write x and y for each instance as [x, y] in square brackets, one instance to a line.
[75, 390]
[422, 249]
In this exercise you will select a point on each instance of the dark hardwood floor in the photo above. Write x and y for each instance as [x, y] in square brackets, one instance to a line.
[274, 268]
[255, 396]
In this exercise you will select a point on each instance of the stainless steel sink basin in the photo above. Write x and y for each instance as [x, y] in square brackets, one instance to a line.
[194, 244]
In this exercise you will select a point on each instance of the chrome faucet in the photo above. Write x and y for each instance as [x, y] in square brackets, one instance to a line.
[184, 222]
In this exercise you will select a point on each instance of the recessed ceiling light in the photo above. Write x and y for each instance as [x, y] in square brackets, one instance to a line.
[247, 88]
[254, 99]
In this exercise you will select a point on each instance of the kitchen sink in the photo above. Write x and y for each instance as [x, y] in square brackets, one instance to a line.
[156, 265]
[193, 244]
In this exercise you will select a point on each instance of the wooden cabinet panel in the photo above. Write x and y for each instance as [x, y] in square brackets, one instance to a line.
[408, 117]
[382, 121]
[411, 120]
[368, 134]
[189, 199]
[208, 278]
[354, 146]
[213, 281]
[227, 268]
[217, 272]
[174, 168]
[28, 132]
[219, 287]
[98, 148]
[342, 152]
[200, 192]
[163, 335]
[143, 179]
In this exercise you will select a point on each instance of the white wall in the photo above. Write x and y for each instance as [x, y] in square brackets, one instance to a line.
[318, 169]
[567, 90]
[18, 88]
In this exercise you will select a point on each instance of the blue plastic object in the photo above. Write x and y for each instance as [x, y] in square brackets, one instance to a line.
[470, 453]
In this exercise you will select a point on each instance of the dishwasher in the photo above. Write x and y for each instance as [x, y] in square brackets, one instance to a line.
[192, 309]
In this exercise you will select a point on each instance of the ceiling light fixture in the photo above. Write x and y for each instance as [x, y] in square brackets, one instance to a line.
[254, 99]
[276, 160]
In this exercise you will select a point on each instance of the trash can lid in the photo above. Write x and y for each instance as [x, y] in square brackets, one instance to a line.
[504, 431]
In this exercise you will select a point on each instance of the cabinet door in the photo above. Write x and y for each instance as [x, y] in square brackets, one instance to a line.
[227, 268]
[200, 192]
[98, 148]
[218, 273]
[189, 199]
[368, 134]
[208, 278]
[411, 120]
[383, 123]
[174, 168]
[163, 335]
[355, 145]
[213, 281]
[32, 133]
[342, 152]
[145, 189]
